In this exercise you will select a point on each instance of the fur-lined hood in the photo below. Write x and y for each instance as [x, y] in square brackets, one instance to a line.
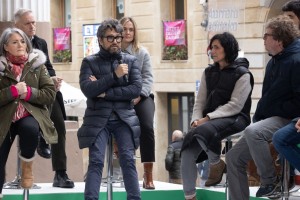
[36, 59]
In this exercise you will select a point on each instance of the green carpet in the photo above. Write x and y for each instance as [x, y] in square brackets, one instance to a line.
[146, 195]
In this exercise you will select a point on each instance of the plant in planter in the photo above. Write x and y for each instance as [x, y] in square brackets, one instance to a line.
[175, 52]
[62, 56]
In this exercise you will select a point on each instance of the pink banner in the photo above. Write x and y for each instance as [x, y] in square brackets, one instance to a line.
[174, 33]
[62, 38]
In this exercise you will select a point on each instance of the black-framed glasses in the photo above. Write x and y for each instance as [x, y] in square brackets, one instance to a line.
[266, 35]
[111, 38]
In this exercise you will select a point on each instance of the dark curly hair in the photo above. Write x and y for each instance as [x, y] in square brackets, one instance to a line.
[229, 43]
[283, 29]
[292, 6]
[111, 24]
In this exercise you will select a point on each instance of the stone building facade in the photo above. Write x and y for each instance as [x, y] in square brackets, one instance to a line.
[245, 19]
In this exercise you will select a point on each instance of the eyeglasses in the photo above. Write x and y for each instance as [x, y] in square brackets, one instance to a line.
[266, 35]
[111, 38]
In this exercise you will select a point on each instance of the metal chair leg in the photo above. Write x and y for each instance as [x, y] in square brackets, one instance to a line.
[16, 183]
[285, 180]
[110, 168]
[26, 194]
[227, 148]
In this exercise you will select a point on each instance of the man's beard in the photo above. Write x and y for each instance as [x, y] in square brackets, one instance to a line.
[114, 49]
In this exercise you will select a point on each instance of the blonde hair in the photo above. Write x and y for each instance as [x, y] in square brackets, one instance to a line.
[135, 42]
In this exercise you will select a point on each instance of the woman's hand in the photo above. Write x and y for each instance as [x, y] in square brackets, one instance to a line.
[21, 87]
[198, 122]
[23, 96]
[136, 100]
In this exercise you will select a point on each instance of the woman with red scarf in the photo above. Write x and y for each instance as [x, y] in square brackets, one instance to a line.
[25, 91]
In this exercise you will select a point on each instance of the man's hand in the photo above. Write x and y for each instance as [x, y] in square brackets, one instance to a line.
[57, 82]
[121, 70]
[92, 78]
[297, 125]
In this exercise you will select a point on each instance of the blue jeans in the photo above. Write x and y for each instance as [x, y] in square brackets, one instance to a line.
[123, 137]
[203, 169]
[285, 141]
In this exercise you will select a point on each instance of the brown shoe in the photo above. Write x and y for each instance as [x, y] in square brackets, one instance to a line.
[148, 179]
[215, 173]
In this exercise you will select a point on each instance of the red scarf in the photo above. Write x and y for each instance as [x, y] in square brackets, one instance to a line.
[17, 66]
[16, 63]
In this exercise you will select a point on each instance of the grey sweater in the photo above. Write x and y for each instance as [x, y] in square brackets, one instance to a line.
[144, 61]
[234, 106]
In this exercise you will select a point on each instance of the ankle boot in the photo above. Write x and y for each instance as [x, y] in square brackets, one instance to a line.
[26, 176]
[148, 179]
[215, 173]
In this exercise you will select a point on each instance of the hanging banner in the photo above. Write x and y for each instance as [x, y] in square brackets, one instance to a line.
[62, 38]
[174, 33]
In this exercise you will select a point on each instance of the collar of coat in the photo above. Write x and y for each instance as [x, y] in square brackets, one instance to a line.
[36, 58]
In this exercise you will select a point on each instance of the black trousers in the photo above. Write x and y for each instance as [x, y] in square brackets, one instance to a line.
[59, 157]
[145, 112]
[28, 130]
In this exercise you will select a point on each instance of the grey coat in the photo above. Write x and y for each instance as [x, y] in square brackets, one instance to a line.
[144, 63]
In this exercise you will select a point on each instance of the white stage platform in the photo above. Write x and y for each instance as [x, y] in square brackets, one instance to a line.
[163, 191]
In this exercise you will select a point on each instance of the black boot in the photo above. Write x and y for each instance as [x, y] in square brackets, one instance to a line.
[62, 180]
[43, 148]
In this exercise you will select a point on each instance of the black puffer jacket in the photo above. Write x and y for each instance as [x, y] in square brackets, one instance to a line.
[118, 98]
[173, 159]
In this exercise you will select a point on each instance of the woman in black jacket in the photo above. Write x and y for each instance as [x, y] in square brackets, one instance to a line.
[222, 108]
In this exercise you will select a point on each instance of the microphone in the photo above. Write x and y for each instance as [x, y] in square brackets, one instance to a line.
[126, 75]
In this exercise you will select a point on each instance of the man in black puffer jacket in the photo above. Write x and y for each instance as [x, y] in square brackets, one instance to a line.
[173, 160]
[110, 80]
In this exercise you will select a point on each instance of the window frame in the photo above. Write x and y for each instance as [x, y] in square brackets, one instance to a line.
[114, 9]
[172, 9]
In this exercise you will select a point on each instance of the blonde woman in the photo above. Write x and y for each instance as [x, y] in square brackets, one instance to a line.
[144, 104]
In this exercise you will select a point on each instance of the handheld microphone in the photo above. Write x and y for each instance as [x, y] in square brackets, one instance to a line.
[126, 75]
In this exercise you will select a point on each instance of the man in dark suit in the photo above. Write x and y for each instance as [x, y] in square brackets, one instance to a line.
[25, 20]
